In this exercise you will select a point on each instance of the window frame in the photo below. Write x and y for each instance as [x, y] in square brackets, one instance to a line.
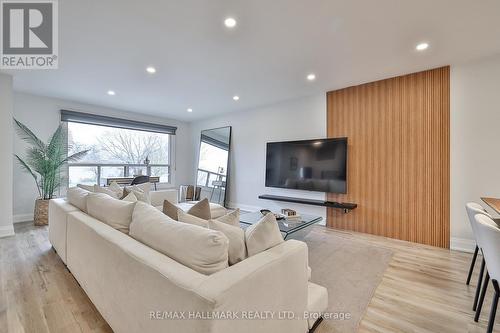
[171, 155]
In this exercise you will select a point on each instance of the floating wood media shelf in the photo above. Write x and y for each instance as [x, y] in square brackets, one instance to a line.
[346, 206]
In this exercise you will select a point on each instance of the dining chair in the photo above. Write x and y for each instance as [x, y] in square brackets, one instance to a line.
[473, 209]
[189, 193]
[140, 180]
[489, 236]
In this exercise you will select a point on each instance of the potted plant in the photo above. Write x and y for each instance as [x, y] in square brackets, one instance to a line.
[44, 162]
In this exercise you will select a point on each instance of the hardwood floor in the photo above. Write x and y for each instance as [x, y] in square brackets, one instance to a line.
[38, 294]
[423, 289]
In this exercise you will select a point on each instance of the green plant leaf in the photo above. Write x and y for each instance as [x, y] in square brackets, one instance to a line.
[28, 169]
[56, 147]
[27, 135]
[46, 160]
[75, 157]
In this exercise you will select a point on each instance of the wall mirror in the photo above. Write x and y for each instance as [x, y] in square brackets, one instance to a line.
[213, 164]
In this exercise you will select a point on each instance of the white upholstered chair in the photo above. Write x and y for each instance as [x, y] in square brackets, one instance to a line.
[489, 238]
[473, 209]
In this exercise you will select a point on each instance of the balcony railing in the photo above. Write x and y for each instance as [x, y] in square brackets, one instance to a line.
[206, 178]
[96, 173]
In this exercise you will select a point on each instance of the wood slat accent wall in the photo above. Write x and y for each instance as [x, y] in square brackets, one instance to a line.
[399, 156]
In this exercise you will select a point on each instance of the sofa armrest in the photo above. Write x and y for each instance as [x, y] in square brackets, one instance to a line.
[274, 281]
[58, 216]
[157, 197]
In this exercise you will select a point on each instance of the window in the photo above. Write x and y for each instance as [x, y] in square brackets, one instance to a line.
[117, 152]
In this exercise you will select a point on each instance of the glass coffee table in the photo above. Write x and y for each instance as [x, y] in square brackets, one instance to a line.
[286, 227]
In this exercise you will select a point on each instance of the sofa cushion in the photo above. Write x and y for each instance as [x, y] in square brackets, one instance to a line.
[107, 190]
[203, 250]
[317, 302]
[115, 213]
[170, 210]
[216, 210]
[201, 209]
[78, 198]
[184, 217]
[232, 218]
[237, 250]
[89, 188]
[263, 235]
[138, 193]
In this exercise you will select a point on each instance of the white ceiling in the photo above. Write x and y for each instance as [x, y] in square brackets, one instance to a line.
[106, 45]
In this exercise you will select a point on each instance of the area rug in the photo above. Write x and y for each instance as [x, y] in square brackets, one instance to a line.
[351, 271]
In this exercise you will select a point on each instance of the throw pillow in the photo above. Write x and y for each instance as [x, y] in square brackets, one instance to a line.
[145, 187]
[115, 213]
[203, 250]
[201, 209]
[236, 236]
[130, 197]
[170, 210]
[139, 194]
[263, 235]
[191, 219]
[232, 218]
[115, 187]
[78, 198]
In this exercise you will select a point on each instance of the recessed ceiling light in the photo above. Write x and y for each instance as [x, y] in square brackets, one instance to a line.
[311, 77]
[111, 92]
[230, 22]
[236, 98]
[150, 69]
[189, 110]
[422, 46]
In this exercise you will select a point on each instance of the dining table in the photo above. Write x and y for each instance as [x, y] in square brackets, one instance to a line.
[494, 203]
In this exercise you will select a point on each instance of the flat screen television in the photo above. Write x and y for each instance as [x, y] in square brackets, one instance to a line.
[313, 165]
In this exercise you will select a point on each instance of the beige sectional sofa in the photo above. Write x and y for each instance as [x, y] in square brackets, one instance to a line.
[138, 289]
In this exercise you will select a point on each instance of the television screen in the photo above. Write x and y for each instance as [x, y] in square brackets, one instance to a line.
[313, 165]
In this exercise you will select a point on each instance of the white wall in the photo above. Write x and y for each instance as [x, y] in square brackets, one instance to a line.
[475, 136]
[6, 107]
[475, 139]
[42, 115]
[304, 118]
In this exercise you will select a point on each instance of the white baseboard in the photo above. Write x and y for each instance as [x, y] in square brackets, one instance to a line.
[6, 231]
[462, 244]
[22, 218]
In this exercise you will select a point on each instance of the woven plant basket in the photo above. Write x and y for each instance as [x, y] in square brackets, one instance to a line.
[41, 212]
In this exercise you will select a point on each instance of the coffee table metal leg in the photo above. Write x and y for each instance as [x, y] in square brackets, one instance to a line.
[316, 324]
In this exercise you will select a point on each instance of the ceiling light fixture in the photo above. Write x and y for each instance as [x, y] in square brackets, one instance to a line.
[422, 46]
[311, 77]
[150, 69]
[236, 98]
[230, 22]
[111, 92]
[189, 110]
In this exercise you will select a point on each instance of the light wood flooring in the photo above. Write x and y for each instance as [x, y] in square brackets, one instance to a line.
[423, 289]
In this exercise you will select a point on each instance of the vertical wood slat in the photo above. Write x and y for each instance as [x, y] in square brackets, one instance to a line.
[399, 156]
